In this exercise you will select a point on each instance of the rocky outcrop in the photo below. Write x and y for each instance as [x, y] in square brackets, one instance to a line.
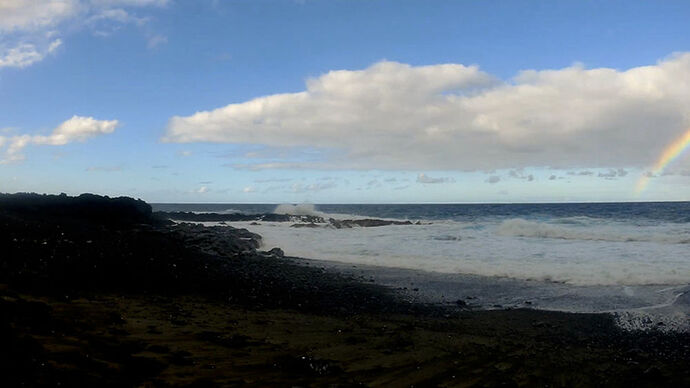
[52, 245]
[304, 221]
[120, 211]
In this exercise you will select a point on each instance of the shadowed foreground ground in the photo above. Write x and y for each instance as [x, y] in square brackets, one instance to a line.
[135, 301]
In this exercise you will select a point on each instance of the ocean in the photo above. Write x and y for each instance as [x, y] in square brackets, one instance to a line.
[632, 259]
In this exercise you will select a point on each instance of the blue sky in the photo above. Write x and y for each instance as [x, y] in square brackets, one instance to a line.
[344, 101]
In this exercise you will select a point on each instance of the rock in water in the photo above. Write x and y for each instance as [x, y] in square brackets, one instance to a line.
[277, 252]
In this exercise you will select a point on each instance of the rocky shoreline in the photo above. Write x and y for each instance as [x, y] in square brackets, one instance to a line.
[102, 291]
[299, 221]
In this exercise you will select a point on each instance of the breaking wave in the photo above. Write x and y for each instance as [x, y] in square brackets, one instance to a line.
[302, 209]
[308, 209]
[582, 231]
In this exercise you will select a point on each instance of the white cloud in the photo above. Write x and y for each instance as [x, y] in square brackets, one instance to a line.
[269, 180]
[26, 54]
[272, 166]
[131, 3]
[29, 28]
[454, 117]
[202, 190]
[520, 174]
[77, 129]
[32, 14]
[118, 15]
[40, 14]
[581, 173]
[248, 189]
[423, 178]
[613, 174]
[302, 188]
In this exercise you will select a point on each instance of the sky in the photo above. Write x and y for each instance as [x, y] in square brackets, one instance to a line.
[357, 101]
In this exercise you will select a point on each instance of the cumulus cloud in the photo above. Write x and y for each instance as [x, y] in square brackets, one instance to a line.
[455, 117]
[28, 28]
[423, 178]
[76, 129]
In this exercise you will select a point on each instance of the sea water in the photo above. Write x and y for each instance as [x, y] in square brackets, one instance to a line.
[632, 259]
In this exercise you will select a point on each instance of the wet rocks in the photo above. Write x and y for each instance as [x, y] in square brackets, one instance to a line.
[276, 252]
[237, 217]
[300, 221]
[364, 223]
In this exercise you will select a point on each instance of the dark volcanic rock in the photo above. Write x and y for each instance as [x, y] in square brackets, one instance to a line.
[64, 338]
[217, 240]
[236, 217]
[277, 252]
[54, 252]
[120, 211]
[302, 221]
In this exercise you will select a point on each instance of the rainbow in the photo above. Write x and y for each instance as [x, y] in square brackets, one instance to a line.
[670, 153]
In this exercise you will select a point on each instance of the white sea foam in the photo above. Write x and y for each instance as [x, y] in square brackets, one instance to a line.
[584, 231]
[520, 249]
[307, 209]
[224, 211]
[302, 209]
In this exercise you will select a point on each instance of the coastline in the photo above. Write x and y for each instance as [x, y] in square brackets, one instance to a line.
[145, 303]
[658, 307]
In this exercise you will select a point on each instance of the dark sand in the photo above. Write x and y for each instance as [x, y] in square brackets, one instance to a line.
[134, 301]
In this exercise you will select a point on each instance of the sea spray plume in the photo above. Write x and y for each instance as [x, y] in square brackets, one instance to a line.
[670, 153]
[308, 209]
